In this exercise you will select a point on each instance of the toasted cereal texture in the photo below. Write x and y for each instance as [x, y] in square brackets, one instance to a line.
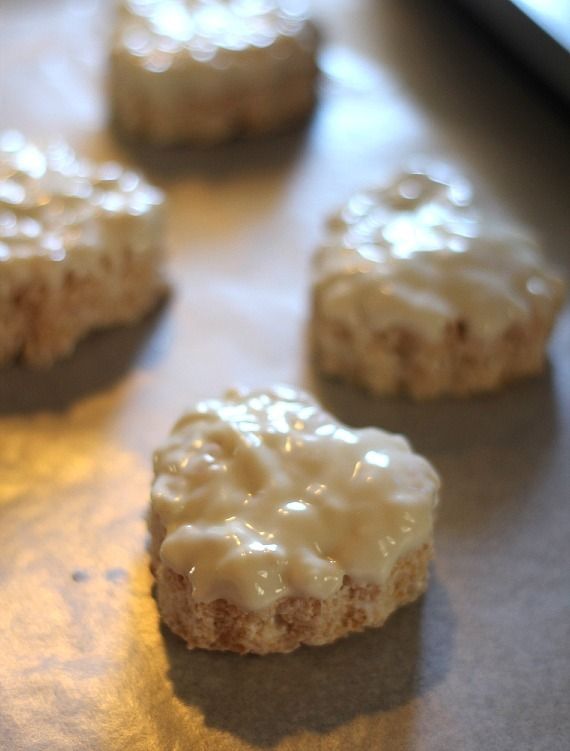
[291, 621]
[210, 121]
[400, 361]
[43, 321]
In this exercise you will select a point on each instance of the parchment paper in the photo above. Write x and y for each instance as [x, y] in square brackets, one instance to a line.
[482, 662]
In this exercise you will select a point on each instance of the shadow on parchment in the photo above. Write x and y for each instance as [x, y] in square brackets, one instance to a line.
[99, 361]
[317, 689]
[523, 413]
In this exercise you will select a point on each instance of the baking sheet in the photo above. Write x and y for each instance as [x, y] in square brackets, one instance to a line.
[483, 660]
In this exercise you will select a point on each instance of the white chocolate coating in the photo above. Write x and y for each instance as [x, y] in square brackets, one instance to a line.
[416, 255]
[57, 210]
[207, 37]
[265, 496]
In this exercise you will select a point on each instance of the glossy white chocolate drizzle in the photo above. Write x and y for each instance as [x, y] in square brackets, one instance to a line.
[215, 34]
[265, 495]
[416, 254]
[54, 205]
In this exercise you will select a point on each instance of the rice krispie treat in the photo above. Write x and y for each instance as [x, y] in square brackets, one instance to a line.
[206, 71]
[79, 249]
[414, 292]
[273, 525]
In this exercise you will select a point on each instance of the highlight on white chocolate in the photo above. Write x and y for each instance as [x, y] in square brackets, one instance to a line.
[264, 495]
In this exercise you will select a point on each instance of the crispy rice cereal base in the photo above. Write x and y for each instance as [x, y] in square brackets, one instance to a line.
[399, 361]
[42, 321]
[291, 621]
[206, 121]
